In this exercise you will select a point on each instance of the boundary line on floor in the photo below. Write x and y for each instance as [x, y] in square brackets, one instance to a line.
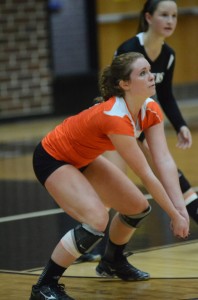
[47, 212]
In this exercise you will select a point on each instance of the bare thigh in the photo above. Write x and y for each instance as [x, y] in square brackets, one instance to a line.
[76, 196]
[115, 189]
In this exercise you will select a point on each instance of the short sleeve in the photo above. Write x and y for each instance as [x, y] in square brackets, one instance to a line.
[153, 115]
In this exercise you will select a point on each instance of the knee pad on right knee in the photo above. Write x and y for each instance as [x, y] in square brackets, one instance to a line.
[81, 239]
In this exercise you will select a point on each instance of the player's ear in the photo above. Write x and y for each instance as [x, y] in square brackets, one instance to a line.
[124, 84]
[148, 17]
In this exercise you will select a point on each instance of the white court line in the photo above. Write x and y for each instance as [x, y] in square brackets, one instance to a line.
[31, 215]
[47, 212]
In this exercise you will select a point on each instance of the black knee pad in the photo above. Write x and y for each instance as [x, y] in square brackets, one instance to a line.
[192, 209]
[86, 238]
[136, 220]
[184, 184]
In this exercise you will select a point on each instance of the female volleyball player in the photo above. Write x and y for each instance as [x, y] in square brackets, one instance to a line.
[68, 162]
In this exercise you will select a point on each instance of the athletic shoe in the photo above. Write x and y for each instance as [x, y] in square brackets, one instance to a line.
[121, 269]
[49, 292]
[88, 257]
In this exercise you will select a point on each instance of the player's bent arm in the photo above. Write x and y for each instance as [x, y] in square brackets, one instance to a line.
[128, 148]
[165, 166]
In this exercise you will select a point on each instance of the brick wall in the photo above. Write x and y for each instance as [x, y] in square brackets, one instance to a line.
[25, 75]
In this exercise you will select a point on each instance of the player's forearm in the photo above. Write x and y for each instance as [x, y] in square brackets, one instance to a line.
[159, 194]
[168, 176]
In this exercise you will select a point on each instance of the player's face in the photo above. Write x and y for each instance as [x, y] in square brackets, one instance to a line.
[141, 83]
[164, 20]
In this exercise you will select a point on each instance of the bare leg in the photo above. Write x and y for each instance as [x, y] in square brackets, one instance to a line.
[119, 233]
[62, 257]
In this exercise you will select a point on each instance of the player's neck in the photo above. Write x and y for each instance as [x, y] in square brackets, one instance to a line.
[153, 44]
[134, 106]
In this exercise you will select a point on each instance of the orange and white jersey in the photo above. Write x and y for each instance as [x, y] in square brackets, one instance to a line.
[79, 139]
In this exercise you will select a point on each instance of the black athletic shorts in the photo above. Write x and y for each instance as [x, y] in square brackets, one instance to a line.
[44, 164]
[141, 137]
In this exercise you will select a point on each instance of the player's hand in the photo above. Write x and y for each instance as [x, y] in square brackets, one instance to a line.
[180, 227]
[184, 138]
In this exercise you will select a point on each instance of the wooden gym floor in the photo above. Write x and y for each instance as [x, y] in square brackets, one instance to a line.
[31, 225]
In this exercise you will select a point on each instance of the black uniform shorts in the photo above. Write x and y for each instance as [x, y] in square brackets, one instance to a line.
[44, 164]
[141, 137]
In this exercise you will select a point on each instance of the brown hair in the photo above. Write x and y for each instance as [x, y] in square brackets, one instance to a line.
[120, 69]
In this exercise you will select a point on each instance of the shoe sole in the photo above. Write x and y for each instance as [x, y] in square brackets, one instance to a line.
[106, 275]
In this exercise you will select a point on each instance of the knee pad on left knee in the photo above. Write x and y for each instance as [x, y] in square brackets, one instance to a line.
[81, 239]
[135, 221]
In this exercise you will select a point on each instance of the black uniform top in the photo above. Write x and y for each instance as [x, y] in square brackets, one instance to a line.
[163, 68]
